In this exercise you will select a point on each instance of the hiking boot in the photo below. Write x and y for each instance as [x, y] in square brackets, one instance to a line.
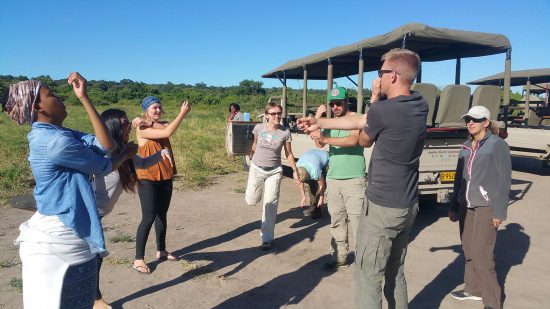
[317, 213]
[334, 266]
[463, 295]
[309, 211]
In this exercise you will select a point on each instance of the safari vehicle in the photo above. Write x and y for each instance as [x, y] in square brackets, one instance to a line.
[528, 134]
[446, 131]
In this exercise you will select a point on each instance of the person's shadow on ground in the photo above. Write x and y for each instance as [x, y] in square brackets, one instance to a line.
[283, 290]
[518, 194]
[291, 288]
[531, 165]
[510, 249]
[241, 257]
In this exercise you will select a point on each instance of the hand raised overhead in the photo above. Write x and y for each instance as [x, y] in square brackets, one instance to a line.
[79, 84]
[185, 107]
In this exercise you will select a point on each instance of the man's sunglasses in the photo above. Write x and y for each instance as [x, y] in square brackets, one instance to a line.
[382, 72]
[275, 114]
[474, 120]
[337, 103]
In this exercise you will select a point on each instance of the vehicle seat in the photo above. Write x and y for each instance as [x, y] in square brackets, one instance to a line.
[533, 119]
[488, 96]
[453, 103]
[429, 93]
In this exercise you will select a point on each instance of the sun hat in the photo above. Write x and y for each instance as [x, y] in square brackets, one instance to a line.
[478, 112]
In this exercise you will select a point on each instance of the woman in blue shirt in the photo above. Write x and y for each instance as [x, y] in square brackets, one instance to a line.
[59, 242]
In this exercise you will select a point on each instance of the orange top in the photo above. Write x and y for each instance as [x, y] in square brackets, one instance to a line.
[161, 170]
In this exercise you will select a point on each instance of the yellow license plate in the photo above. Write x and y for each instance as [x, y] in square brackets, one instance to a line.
[447, 176]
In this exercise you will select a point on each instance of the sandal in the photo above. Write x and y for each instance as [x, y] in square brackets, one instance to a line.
[101, 304]
[142, 269]
[168, 257]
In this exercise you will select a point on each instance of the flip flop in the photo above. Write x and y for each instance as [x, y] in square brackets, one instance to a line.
[142, 269]
[101, 304]
[168, 257]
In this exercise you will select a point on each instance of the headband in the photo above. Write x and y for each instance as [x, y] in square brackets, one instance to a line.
[148, 101]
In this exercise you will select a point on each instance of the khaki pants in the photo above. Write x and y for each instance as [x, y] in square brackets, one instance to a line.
[478, 242]
[271, 183]
[345, 201]
[382, 239]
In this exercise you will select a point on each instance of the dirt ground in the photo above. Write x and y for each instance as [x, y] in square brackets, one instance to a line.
[217, 235]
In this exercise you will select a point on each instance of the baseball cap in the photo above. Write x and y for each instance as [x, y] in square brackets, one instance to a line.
[338, 93]
[478, 112]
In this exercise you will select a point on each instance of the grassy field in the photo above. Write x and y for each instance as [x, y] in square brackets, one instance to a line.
[198, 147]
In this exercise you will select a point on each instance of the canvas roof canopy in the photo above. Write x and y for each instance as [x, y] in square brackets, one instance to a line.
[432, 44]
[518, 78]
[538, 88]
[532, 98]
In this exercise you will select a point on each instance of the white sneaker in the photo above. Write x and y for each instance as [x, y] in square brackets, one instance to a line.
[463, 295]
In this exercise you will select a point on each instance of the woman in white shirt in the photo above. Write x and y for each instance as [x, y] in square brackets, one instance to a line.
[109, 188]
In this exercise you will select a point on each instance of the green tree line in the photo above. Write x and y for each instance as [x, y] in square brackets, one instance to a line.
[250, 94]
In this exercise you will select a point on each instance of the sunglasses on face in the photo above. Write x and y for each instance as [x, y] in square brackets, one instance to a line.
[337, 103]
[125, 124]
[382, 72]
[275, 114]
[474, 120]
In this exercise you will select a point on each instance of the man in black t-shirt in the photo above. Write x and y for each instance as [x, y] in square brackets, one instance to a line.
[397, 128]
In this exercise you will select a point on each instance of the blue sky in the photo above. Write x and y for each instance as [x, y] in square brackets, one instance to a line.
[223, 42]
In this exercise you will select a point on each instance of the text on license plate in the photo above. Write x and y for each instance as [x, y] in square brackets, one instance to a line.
[447, 176]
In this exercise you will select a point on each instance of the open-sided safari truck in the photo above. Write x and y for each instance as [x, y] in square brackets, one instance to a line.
[446, 130]
[529, 133]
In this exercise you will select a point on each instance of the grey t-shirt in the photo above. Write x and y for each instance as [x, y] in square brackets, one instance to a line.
[269, 145]
[398, 127]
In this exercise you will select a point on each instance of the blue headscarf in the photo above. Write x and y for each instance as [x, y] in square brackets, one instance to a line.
[148, 101]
